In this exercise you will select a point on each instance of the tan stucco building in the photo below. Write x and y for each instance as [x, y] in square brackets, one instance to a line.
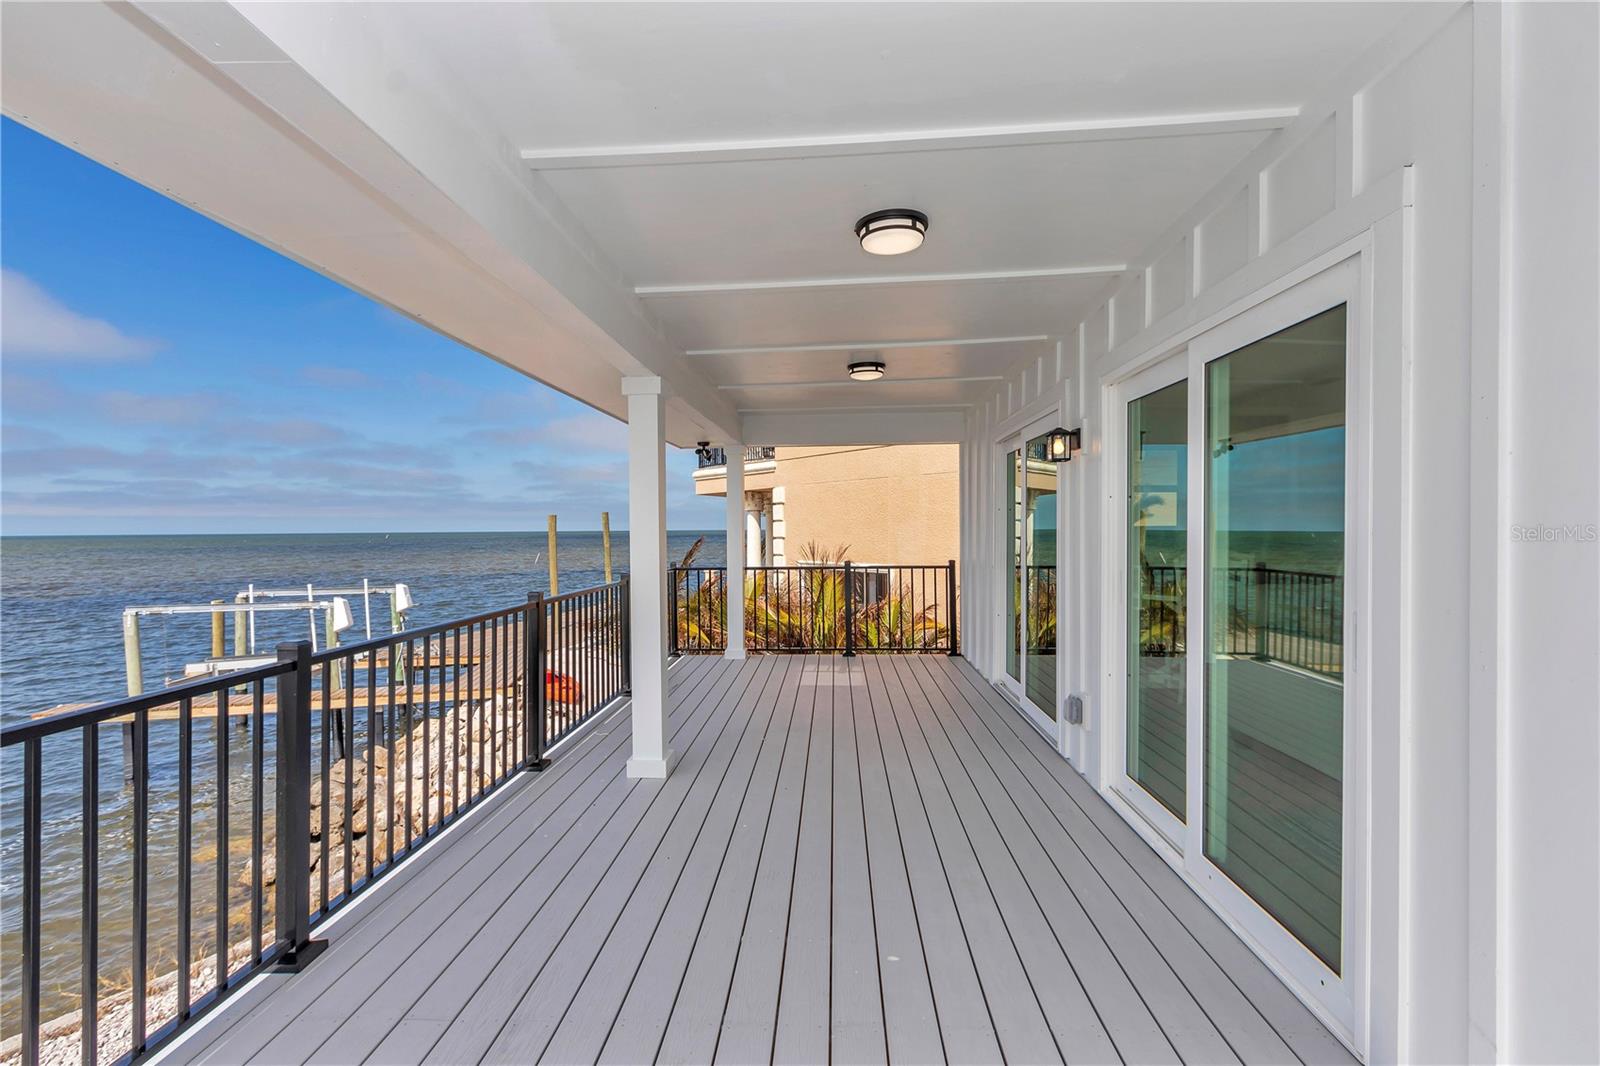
[878, 503]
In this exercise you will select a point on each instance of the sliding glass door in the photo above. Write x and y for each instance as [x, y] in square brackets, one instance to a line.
[1030, 523]
[1155, 742]
[1274, 699]
[1236, 726]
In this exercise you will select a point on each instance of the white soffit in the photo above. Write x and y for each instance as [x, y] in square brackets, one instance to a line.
[583, 191]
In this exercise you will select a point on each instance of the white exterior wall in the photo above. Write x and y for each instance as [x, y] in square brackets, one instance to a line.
[1549, 713]
[1452, 155]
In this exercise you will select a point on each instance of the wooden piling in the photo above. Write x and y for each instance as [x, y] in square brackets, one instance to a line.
[330, 640]
[132, 660]
[133, 667]
[219, 635]
[605, 541]
[550, 536]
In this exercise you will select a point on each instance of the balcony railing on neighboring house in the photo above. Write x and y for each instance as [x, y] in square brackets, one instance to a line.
[373, 749]
[753, 453]
[841, 608]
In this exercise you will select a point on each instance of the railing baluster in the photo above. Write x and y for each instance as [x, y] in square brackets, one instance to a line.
[325, 819]
[90, 985]
[499, 734]
[444, 656]
[258, 769]
[32, 892]
[220, 978]
[347, 749]
[391, 766]
[185, 848]
[141, 874]
[455, 718]
[410, 724]
[427, 715]
[515, 695]
[372, 756]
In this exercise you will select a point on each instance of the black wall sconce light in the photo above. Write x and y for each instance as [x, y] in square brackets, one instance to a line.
[1061, 443]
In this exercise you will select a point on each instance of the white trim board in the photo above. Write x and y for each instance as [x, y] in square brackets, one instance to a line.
[932, 140]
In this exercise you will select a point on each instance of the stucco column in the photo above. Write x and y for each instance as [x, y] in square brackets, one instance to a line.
[735, 553]
[752, 538]
[647, 571]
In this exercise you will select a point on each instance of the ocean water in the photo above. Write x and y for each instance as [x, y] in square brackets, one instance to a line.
[61, 602]
[61, 598]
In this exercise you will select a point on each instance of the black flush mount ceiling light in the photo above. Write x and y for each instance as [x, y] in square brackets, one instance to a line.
[1061, 443]
[867, 370]
[892, 232]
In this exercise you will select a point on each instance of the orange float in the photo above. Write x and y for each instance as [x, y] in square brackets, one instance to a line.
[559, 688]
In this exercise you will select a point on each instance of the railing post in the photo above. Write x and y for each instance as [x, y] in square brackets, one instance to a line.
[627, 636]
[849, 610]
[950, 608]
[534, 690]
[1258, 615]
[294, 809]
[672, 611]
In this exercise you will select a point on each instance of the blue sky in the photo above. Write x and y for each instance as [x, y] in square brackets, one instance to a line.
[160, 373]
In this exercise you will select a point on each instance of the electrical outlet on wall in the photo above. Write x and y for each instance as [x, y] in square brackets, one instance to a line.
[1074, 709]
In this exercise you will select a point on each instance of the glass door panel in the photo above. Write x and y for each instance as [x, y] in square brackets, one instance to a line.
[1039, 577]
[1013, 540]
[1274, 701]
[1155, 735]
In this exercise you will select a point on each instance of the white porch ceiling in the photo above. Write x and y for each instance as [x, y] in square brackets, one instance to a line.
[586, 191]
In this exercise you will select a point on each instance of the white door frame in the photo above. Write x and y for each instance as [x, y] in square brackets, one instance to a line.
[1339, 284]
[1170, 369]
[1017, 436]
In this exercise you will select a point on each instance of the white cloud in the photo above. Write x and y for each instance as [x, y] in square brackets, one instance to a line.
[34, 323]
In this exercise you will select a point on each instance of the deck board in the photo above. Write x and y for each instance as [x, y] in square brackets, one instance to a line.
[855, 860]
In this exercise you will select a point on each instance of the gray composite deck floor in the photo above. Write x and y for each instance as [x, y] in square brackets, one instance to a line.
[854, 860]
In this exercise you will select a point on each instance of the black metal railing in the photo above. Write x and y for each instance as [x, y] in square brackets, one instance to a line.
[841, 608]
[1294, 617]
[374, 749]
[753, 453]
[588, 658]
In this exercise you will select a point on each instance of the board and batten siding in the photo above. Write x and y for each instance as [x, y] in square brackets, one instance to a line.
[1481, 921]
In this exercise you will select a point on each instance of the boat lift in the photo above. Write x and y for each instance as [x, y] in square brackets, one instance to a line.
[244, 636]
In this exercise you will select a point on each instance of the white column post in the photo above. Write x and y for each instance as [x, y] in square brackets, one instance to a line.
[647, 573]
[735, 516]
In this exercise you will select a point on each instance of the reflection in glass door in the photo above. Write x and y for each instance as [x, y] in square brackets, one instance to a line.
[1274, 656]
[1154, 739]
[1039, 577]
[1030, 579]
[1013, 541]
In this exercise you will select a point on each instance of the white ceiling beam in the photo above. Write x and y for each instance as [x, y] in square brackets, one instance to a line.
[936, 140]
[836, 383]
[852, 346]
[1096, 270]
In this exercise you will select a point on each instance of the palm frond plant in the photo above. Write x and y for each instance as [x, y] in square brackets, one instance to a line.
[801, 608]
[701, 599]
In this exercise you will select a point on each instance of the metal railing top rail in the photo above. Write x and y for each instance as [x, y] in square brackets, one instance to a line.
[816, 566]
[126, 705]
[576, 593]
